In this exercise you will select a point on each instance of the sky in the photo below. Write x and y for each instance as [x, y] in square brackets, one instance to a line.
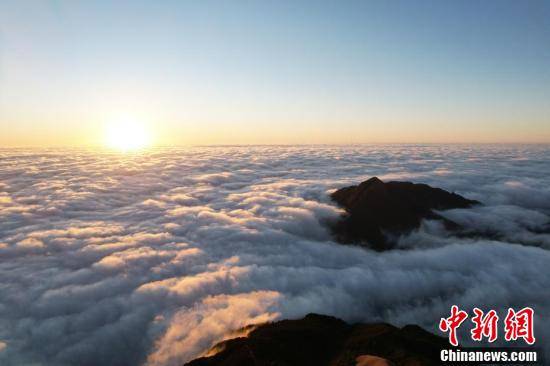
[275, 72]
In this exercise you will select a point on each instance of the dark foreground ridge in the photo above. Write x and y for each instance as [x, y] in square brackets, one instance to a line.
[378, 211]
[324, 340]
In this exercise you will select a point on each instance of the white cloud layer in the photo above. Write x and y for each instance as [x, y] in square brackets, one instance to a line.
[149, 259]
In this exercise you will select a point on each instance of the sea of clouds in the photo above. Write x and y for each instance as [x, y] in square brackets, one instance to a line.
[150, 258]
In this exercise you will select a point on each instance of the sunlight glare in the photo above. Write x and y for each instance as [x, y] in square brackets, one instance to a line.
[127, 134]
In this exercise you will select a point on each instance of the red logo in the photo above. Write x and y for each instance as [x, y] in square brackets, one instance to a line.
[485, 325]
[519, 325]
[516, 325]
[452, 323]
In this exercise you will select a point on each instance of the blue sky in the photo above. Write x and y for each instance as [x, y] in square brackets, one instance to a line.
[276, 72]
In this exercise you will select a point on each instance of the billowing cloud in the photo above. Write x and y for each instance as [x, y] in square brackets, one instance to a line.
[196, 329]
[149, 259]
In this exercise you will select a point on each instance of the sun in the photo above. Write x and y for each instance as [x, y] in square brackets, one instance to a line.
[127, 134]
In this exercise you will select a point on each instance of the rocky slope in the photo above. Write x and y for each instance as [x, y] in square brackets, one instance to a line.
[378, 211]
[323, 340]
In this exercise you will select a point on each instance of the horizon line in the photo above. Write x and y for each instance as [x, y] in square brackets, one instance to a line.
[160, 146]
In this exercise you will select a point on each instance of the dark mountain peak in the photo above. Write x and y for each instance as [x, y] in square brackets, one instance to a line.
[351, 196]
[374, 181]
[375, 208]
[325, 340]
